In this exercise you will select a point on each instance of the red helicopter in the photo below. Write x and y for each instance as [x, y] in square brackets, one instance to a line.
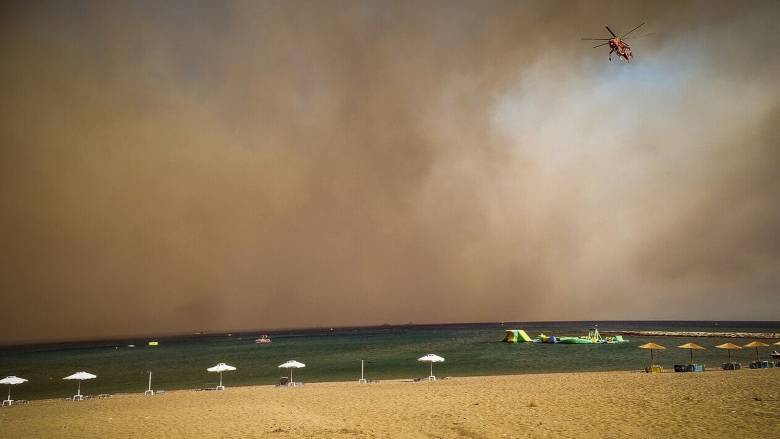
[616, 44]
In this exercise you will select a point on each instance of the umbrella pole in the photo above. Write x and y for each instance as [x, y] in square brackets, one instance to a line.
[729, 351]
[79, 392]
[291, 381]
[757, 358]
[431, 368]
[651, 358]
[691, 356]
[9, 392]
[220, 379]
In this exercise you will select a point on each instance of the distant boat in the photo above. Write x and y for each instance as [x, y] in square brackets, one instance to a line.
[131, 345]
[153, 343]
[264, 339]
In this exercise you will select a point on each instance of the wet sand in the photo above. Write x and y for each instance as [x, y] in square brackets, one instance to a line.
[716, 404]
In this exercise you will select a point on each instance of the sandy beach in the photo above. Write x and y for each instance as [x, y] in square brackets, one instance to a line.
[601, 404]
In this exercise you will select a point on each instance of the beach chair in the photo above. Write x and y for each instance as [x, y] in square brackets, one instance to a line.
[680, 368]
[655, 368]
[284, 381]
[764, 364]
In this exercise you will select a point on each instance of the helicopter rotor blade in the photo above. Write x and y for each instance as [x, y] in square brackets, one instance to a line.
[602, 44]
[640, 36]
[626, 34]
[610, 31]
[595, 39]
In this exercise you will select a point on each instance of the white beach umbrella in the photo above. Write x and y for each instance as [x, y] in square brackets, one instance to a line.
[80, 376]
[431, 358]
[292, 364]
[221, 367]
[10, 381]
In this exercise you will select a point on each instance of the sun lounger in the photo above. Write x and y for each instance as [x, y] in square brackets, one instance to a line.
[695, 368]
[761, 364]
[104, 395]
[16, 401]
[731, 366]
[654, 369]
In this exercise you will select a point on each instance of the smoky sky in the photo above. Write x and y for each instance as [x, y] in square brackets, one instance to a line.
[183, 165]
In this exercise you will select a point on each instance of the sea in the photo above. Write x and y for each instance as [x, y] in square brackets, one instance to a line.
[335, 354]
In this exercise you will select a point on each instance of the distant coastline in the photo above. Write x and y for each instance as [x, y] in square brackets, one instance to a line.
[765, 335]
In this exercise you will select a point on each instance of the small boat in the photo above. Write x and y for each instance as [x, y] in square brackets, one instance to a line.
[131, 345]
[264, 339]
[153, 343]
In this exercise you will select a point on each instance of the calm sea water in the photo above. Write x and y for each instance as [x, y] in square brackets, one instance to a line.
[389, 353]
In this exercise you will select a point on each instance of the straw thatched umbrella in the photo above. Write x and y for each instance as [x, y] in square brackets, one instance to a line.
[691, 347]
[729, 347]
[756, 344]
[652, 347]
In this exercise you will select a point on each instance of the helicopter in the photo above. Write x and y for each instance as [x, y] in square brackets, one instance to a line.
[616, 44]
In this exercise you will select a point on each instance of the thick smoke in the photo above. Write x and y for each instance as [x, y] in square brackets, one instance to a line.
[182, 166]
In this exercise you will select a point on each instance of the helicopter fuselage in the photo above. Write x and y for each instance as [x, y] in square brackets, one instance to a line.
[621, 48]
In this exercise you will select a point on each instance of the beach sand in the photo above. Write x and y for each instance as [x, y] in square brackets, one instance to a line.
[714, 404]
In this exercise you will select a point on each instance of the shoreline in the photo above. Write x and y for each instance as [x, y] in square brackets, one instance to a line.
[549, 405]
[355, 383]
[410, 380]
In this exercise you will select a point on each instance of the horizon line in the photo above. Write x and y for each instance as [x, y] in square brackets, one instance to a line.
[222, 332]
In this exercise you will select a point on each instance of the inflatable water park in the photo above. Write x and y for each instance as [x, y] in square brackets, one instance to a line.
[593, 337]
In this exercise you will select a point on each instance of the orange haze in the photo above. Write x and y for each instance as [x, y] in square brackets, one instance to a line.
[183, 165]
